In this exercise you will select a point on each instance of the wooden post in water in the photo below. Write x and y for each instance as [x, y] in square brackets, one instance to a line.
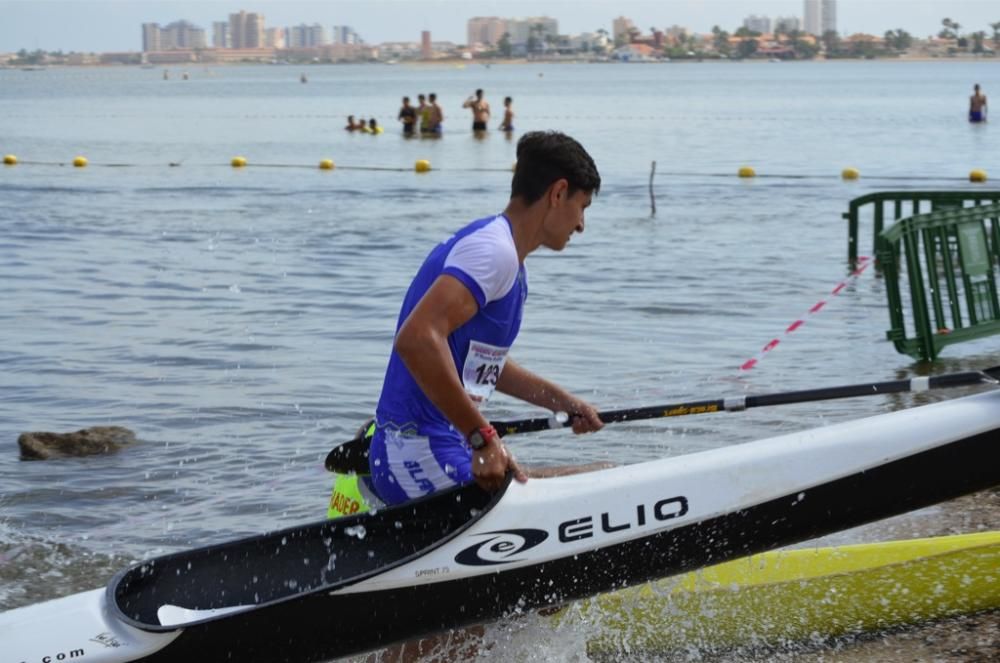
[652, 198]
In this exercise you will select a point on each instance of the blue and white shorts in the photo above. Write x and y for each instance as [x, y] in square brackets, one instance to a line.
[406, 464]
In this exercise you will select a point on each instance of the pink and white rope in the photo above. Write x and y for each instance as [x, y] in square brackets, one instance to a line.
[863, 263]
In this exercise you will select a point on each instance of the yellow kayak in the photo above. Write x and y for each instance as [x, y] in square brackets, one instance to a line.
[791, 595]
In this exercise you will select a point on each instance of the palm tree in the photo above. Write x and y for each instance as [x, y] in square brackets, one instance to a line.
[950, 30]
[996, 33]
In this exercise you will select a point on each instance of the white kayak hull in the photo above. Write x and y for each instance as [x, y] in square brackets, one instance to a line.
[344, 586]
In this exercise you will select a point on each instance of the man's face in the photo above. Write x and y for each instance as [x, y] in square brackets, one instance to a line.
[565, 215]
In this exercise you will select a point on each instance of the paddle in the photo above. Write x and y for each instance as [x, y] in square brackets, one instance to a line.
[353, 456]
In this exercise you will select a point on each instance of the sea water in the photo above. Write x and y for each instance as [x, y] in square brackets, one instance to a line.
[239, 320]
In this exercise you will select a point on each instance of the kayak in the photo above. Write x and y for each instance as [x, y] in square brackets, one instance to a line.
[794, 595]
[344, 586]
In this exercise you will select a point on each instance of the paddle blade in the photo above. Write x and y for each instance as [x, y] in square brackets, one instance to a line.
[349, 457]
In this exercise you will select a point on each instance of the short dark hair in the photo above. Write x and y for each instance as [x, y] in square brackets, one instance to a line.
[544, 157]
[406, 100]
[432, 96]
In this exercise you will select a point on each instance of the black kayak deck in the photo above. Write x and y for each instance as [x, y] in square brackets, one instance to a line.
[285, 564]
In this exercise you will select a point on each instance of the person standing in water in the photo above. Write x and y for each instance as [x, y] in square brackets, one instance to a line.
[977, 105]
[508, 115]
[437, 115]
[408, 116]
[480, 111]
[423, 114]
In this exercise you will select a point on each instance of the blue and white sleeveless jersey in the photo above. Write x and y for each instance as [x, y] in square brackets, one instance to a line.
[483, 257]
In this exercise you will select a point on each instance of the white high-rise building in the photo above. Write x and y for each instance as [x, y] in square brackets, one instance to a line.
[345, 34]
[220, 35]
[761, 24]
[151, 37]
[246, 30]
[787, 24]
[179, 35]
[486, 30]
[307, 36]
[820, 16]
[811, 17]
[620, 27]
[828, 11]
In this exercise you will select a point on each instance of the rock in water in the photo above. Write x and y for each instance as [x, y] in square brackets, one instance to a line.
[92, 441]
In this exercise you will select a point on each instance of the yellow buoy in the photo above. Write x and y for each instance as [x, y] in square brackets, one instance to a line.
[422, 166]
[326, 164]
[9, 159]
[746, 171]
[978, 175]
[80, 162]
[239, 162]
[850, 173]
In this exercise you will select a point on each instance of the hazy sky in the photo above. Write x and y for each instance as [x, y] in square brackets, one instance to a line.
[114, 25]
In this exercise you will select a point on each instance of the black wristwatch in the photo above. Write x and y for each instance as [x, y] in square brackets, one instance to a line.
[480, 437]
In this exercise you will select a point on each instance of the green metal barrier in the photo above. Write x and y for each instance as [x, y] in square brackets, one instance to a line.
[949, 258]
[894, 205]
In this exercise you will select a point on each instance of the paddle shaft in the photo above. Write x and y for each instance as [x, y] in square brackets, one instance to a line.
[353, 456]
[737, 404]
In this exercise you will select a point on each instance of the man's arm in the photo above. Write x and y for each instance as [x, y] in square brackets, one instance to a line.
[422, 344]
[519, 382]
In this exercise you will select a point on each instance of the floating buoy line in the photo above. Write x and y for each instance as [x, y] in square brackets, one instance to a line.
[745, 172]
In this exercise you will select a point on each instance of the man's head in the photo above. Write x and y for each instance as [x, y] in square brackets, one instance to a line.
[976, 88]
[507, 101]
[406, 101]
[433, 97]
[479, 94]
[555, 176]
[421, 98]
[543, 158]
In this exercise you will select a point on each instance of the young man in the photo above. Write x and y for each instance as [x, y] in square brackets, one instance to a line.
[480, 111]
[408, 116]
[437, 115]
[508, 115]
[458, 321]
[423, 114]
[977, 105]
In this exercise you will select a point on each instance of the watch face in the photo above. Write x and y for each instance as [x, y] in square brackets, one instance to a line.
[476, 440]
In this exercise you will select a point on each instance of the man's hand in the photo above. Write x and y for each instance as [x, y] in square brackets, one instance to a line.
[584, 416]
[490, 465]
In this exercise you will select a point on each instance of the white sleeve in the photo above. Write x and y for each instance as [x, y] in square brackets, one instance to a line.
[488, 257]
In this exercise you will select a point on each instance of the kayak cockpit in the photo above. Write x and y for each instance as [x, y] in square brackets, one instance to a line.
[207, 583]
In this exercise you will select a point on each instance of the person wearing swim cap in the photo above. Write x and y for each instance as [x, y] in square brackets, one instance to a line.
[458, 321]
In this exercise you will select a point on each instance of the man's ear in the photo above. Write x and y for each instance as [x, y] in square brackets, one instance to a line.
[558, 191]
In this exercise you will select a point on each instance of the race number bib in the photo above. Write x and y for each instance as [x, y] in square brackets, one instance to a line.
[482, 370]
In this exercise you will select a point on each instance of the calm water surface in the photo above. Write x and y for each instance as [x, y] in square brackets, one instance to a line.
[239, 320]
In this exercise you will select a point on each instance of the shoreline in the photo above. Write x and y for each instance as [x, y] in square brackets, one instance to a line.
[461, 63]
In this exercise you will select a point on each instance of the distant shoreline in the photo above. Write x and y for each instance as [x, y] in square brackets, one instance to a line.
[462, 63]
